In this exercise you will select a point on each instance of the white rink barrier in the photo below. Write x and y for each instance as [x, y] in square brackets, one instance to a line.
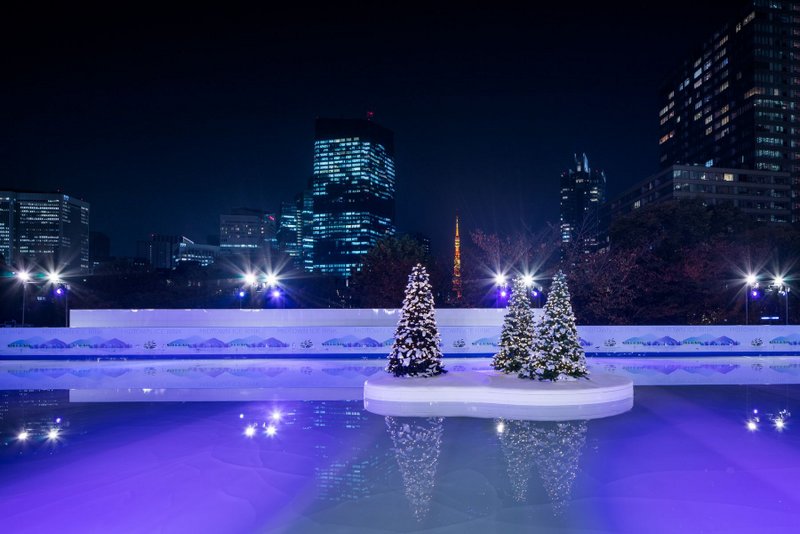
[352, 333]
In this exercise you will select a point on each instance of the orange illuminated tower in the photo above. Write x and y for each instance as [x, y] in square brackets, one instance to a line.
[457, 266]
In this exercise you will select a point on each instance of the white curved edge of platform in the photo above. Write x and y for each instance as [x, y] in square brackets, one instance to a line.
[493, 395]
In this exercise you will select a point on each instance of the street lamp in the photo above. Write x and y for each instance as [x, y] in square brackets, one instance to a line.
[25, 278]
[780, 286]
[502, 289]
[752, 283]
[61, 290]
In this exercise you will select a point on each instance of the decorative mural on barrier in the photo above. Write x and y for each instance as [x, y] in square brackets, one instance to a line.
[366, 340]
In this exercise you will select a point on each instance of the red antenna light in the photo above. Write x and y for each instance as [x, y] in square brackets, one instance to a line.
[370, 115]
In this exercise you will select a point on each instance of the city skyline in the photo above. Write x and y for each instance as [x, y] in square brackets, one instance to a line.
[204, 116]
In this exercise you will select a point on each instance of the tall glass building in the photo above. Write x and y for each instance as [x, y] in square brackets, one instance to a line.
[51, 229]
[583, 193]
[735, 101]
[295, 229]
[353, 192]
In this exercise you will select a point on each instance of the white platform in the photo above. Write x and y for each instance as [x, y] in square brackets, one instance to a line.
[492, 394]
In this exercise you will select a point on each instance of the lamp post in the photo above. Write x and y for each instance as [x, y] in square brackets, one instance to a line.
[62, 290]
[502, 289]
[780, 286]
[25, 278]
[752, 283]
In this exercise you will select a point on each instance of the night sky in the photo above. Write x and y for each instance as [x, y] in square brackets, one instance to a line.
[164, 118]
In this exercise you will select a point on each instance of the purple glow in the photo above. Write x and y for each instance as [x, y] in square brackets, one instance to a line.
[754, 293]
[503, 293]
[59, 291]
[535, 293]
[193, 470]
[241, 294]
[276, 294]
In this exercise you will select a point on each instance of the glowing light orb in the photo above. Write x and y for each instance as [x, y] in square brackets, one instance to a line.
[503, 293]
[751, 279]
[58, 420]
[276, 294]
[780, 424]
[241, 416]
[271, 430]
[272, 280]
[275, 416]
[52, 434]
[53, 278]
[250, 431]
[752, 426]
[250, 279]
[24, 276]
[23, 436]
[501, 427]
[527, 280]
[500, 279]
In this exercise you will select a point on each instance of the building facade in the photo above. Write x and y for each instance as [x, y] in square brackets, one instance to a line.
[51, 229]
[763, 195]
[583, 193]
[733, 103]
[353, 190]
[295, 229]
[245, 230]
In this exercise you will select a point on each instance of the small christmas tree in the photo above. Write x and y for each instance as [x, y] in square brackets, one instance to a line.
[557, 353]
[516, 338]
[415, 351]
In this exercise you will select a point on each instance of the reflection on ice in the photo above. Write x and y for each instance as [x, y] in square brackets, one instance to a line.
[417, 443]
[555, 448]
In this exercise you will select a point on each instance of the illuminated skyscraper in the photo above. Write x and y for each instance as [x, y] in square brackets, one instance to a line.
[49, 228]
[353, 192]
[734, 102]
[583, 193]
[295, 229]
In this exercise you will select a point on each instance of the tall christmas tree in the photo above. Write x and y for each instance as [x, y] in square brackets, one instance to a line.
[557, 353]
[516, 338]
[415, 351]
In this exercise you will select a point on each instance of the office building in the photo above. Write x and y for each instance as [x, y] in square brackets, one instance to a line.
[763, 195]
[583, 193]
[353, 189]
[244, 230]
[295, 229]
[189, 251]
[160, 251]
[733, 102]
[50, 229]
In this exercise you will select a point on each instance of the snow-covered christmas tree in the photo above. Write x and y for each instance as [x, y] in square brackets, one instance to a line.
[516, 337]
[416, 351]
[557, 353]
